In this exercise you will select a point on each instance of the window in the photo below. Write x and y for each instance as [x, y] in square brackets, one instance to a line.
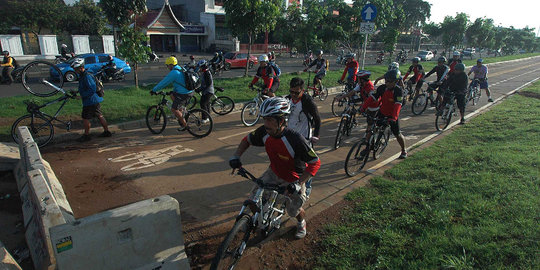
[89, 60]
[241, 56]
[103, 58]
[229, 55]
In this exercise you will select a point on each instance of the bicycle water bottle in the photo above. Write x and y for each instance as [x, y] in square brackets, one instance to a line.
[169, 104]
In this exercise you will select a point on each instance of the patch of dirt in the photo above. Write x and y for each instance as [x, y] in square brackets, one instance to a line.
[529, 94]
[281, 252]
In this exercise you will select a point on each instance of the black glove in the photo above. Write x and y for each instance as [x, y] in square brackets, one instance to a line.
[152, 93]
[235, 162]
[293, 188]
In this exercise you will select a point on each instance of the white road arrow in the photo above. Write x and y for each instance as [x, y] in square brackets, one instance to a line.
[368, 12]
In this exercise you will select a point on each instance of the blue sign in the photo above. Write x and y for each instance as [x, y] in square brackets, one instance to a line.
[369, 12]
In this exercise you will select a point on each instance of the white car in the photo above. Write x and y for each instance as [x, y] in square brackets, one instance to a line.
[425, 55]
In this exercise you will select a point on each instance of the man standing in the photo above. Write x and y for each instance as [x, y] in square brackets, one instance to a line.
[7, 64]
[292, 161]
[90, 99]
[480, 73]
[180, 94]
[206, 89]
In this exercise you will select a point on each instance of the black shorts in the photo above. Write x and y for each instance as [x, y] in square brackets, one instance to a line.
[89, 112]
[394, 127]
[275, 86]
[180, 100]
[460, 100]
[418, 84]
[318, 77]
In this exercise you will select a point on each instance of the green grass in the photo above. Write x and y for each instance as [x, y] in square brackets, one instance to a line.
[131, 103]
[471, 200]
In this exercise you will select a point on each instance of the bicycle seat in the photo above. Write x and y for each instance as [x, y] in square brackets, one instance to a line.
[31, 106]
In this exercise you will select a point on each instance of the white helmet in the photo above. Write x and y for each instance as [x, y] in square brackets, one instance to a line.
[77, 62]
[64, 46]
[263, 58]
[456, 53]
[276, 106]
[393, 65]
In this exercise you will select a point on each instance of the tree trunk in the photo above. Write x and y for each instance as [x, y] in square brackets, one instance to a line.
[266, 41]
[136, 66]
[248, 55]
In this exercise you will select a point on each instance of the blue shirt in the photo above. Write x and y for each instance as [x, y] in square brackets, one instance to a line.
[176, 77]
[87, 90]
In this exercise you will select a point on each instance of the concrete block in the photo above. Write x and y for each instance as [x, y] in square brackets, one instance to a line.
[20, 175]
[6, 260]
[9, 156]
[142, 235]
[57, 190]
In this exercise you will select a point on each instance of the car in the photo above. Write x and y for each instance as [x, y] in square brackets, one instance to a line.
[469, 51]
[425, 55]
[92, 62]
[238, 60]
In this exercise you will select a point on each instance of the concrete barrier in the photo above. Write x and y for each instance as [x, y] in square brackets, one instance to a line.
[142, 235]
[6, 260]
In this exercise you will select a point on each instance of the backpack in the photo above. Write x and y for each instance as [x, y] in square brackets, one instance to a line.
[191, 79]
[99, 86]
[14, 62]
[276, 68]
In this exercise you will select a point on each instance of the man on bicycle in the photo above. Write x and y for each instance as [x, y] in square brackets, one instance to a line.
[363, 87]
[266, 72]
[390, 98]
[90, 99]
[457, 86]
[206, 89]
[7, 64]
[180, 95]
[292, 161]
[320, 70]
[480, 73]
[392, 66]
[442, 71]
[351, 67]
[454, 61]
[418, 70]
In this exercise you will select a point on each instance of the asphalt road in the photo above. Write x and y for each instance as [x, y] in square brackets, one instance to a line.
[134, 164]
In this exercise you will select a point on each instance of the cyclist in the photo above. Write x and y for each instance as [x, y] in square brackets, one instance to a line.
[180, 94]
[206, 89]
[215, 61]
[390, 97]
[457, 85]
[418, 70]
[363, 87]
[90, 100]
[192, 64]
[454, 61]
[351, 67]
[266, 72]
[480, 73]
[442, 71]
[7, 64]
[320, 70]
[392, 66]
[271, 56]
[292, 161]
[304, 117]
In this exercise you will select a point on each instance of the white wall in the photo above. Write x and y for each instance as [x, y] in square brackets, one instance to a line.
[210, 22]
[12, 43]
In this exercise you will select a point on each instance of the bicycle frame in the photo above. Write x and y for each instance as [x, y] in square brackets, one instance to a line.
[64, 100]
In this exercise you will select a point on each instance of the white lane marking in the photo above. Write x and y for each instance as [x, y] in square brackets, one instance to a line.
[127, 143]
[146, 159]
[405, 118]
[324, 150]
[407, 138]
[234, 135]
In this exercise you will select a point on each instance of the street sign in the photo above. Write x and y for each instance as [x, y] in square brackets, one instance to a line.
[369, 12]
[367, 28]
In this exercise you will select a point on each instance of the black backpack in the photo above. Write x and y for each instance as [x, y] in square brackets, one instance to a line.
[14, 62]
[99, 86]
[191, 78]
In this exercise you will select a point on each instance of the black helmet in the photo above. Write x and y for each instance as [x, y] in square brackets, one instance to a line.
[5, 53]
[442, 59]
[392, 75]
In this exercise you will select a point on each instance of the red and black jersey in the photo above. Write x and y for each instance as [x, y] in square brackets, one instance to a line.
[452, 64]
[389, 100]
[290, 154]
[267, 74]
[418, 71]
[352, 69]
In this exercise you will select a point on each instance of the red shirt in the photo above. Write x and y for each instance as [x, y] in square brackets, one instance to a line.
[389, 100]
[352, 68]
[418, 71]
[267, 74]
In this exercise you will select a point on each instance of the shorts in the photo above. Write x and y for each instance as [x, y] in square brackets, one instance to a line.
[438, 88]
[294, 202]
[394, 127]
[460, 100]
[418, 84]
[318, 77]
[89, 112]
[483, 84]
[180, 100]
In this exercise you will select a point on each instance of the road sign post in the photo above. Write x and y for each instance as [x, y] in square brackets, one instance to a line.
[369, 13]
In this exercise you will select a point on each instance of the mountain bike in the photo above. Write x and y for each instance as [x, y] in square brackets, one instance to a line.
[251, 111]
[338, 105]
[156, 118]
[377, 143]
[347, 123]
[35, 73]
[445, 115]
[221, 105]
[266, 211]
[420, 101]
[322, 93]
[473, 93]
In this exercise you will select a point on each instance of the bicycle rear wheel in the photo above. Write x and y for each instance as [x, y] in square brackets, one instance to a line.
[381, 143]
[250, 114]
[40, 127]
[191, 103]
[36, 73]
[233, 246]
[342, 129]
[355, 162]
[222, 105]
[419, 104]
[156, 119]
[338, 106]
[323, 94]
[199, 123]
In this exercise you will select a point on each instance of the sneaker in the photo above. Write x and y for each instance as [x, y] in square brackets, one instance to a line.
[462, 122]
[84, 138]
[490, 100]
[105, 134]
[204, 121]
[182, 128]
[403, 155]
[301, 230]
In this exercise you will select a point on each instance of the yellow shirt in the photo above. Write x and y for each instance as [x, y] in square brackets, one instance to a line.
[9, 62]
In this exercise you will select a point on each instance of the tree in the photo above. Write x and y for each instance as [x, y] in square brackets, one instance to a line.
[119, 13]
[453, 29]
[85, 17]
[36, 16]
[133, 49]
[481, 33]
[251, 17]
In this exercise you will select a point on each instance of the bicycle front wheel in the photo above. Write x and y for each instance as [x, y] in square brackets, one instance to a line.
[342, 129]
[476, 96]
[323, 93]
[37, 74]
[40, 127]
[380, 144]
[355, 161]
[156, 119]
[419, 104]
[250, 114]
[199, 123]
[338, 106]
[222, 105]
[233, 246]
[442, 121]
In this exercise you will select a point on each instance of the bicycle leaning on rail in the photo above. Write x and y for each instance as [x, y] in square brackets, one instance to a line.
[250, 114]
[156, 118]
[359, 153]
[266, 211]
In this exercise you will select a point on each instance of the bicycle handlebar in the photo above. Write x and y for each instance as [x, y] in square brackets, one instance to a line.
[244, 173]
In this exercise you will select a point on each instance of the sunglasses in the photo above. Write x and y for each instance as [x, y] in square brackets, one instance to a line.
[295, 92]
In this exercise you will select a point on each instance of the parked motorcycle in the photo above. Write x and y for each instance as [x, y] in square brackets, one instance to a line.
[108, 73]
[153, 57]
[61, 59]
[401, 57]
